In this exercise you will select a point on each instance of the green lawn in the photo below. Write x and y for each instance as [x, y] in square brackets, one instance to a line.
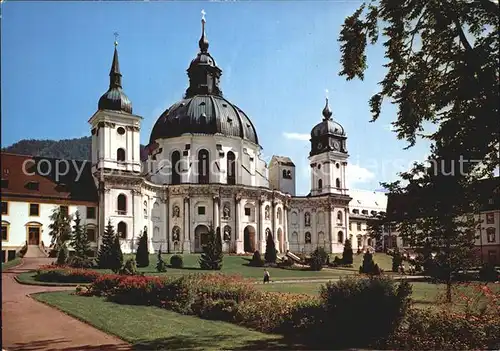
[11, 263]
[152, 328]
[239, 265]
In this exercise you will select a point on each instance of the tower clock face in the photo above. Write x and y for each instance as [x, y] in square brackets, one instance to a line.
[336, 145]
[319, 146]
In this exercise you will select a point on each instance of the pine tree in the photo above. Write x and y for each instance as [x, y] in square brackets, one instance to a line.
[369, 266]
[79, 239]
[161, 266]
[105, 249]
[212, 255]
[62, 255]
[116, 258]
[270, 256]
[347, 254]
[142, 254]
[60, 228]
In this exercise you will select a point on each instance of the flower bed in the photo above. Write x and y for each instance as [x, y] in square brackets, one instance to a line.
[61, 274]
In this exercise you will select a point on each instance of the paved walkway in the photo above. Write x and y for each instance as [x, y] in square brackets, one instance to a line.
[31, 325]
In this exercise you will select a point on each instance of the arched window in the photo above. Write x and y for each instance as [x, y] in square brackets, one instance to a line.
[122, 230]
[308, 238]
[284, 173]
[122, 204]
[337, 183]
[490, 233]
[120, 155]
[175, 164]
[340, 237]
[339, 217]
[203, 167]
[231, 168]
[320, 184]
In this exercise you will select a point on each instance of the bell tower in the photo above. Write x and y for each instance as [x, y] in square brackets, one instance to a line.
[115, 130]
[328, 156]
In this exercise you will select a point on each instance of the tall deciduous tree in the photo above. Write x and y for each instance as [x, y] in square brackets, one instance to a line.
[442, 69]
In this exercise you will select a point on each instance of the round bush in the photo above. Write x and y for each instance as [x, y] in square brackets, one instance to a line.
[176, 261]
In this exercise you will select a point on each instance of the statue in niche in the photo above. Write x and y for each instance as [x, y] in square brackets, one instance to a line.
[307, 219]
[227, 233]
[176, 211]
[266, 213]
[226, 212]
[176, 234]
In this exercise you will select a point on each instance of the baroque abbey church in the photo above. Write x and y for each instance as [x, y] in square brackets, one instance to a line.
[202, 168]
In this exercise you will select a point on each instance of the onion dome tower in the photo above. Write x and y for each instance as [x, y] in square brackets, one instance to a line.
[115, 99]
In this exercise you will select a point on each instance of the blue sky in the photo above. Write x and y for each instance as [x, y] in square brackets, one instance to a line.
[277, 57]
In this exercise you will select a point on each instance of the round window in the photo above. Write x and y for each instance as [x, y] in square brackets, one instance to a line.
[121, 130]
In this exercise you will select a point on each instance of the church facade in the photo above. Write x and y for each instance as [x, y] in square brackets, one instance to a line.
[202, 168]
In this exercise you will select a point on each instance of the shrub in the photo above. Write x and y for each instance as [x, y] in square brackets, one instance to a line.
[57, 274]
[105, 254]
[80, 262]
[347, 254]
[129, 268]
[270, 255]
[161, 266]
[23, 250]
[142, 254]
[488, 273]
[176, 261]
[318, 259]
[116, 256]
[369, 266]
[379, 302]
[257, 260]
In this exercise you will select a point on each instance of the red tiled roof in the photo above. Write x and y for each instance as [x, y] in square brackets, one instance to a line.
[20, 170]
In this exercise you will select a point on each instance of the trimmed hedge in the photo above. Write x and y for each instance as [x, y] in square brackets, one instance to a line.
[62, 274]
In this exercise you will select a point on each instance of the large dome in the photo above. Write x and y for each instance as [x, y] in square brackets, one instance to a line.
[204, 110]
[204, 114]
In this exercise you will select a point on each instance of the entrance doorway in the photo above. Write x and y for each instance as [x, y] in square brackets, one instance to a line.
[33, 235]
[249, 239]
[200, 237]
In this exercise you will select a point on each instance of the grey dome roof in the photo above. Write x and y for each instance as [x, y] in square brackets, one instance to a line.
[116, 100]
[327, 127]
[204, 114]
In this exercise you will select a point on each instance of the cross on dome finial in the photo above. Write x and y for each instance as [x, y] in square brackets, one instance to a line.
[327, 113]
[203, 43]
[116, 38]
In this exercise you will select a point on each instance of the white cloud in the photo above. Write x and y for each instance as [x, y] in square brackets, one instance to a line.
[357, 174]
[297, 136]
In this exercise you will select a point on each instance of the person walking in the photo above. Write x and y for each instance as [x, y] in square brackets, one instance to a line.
[266, 276]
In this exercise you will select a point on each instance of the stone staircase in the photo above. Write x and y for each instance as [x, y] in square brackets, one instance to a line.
[35, 251]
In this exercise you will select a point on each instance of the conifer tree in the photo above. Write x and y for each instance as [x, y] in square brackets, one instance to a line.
[116, 258]
[347, 254]
[212, 255]
[270, 256]
[60, 228]
[105, 250]
[142, 254]
[79, 239]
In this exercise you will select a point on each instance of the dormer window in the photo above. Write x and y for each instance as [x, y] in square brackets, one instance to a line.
[365, 212]
[33, 185]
